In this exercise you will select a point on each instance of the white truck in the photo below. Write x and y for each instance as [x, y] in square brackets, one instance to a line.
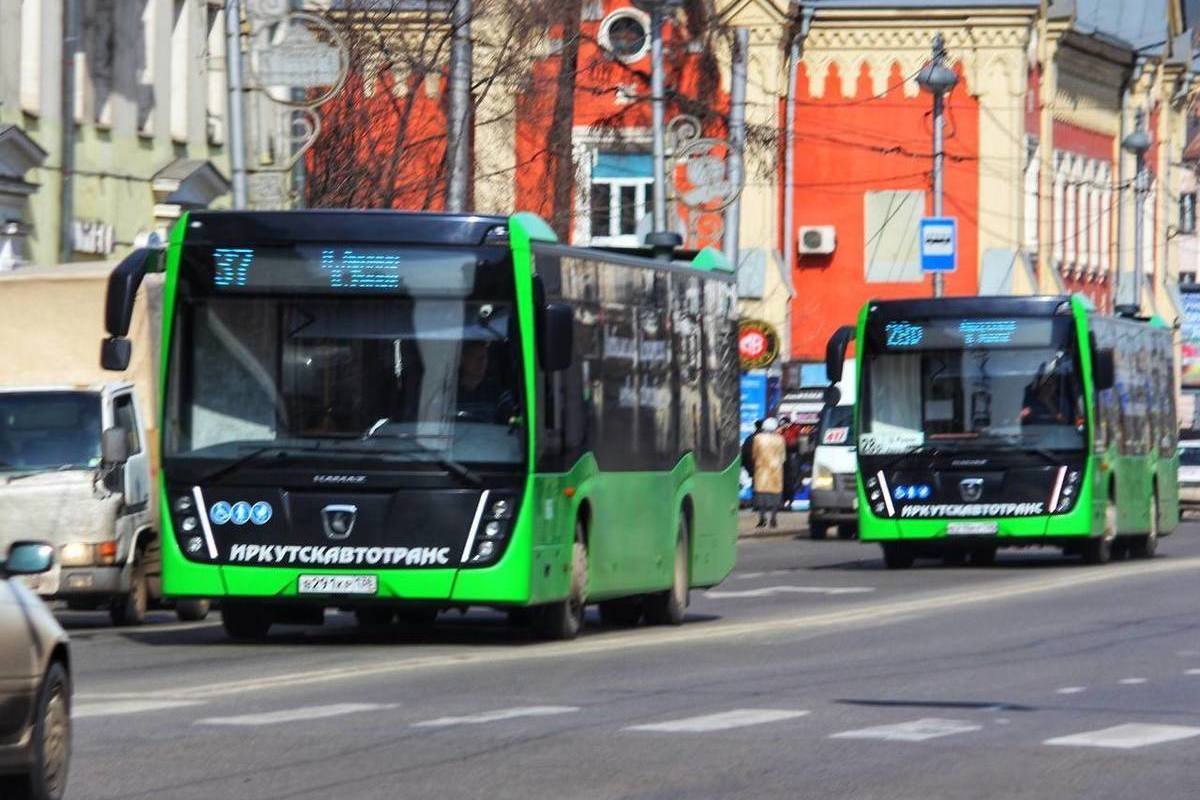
[78, 450]
[835, 464]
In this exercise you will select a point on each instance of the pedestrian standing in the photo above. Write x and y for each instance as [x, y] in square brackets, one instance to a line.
[790, 431]
[769, 453]
[748, 449]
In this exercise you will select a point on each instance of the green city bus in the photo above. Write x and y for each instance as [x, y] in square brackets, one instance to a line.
[404, 413]
[988, 422]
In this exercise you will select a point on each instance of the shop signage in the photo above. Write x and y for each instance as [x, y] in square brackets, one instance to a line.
[758, 344]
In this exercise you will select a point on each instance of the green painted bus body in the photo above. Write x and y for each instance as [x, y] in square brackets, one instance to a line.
[633, 517]
[1130, 480]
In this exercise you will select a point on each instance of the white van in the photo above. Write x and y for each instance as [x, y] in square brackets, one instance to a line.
[835, 462]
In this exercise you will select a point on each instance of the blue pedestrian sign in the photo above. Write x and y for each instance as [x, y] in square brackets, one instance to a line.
[939, 244]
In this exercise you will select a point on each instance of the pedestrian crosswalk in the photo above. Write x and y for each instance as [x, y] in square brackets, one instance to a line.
[798, 722]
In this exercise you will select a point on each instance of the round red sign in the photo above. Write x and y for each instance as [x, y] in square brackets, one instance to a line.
[758, 344]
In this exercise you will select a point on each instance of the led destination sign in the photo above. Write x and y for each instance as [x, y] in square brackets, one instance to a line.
[957, 334]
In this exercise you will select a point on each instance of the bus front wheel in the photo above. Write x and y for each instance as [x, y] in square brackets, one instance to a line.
[564, 619]
[897, 555]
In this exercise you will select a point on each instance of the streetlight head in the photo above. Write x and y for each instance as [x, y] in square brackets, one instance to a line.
[1136, 143]
[937, 78]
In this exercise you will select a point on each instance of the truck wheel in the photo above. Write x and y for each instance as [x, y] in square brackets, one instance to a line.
[245, 621]
[130, 610]
[564, 619]
[1146, 546]
[191, 610]
[51, 743]
[847, 530]
[623, 613]
[818, 530]
[897, 555]
[669, 607]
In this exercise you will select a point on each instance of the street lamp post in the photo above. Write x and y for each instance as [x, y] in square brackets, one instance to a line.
[237, 125]
[939, 80]
[657, 10]
[1137, 143]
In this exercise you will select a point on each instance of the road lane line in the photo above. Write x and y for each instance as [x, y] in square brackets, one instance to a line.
[496, 716]
[1070, 690]
[296, 714]
[128, 706]
[1192, 672]
[767, 591]
[918, 730]
[870, 614]
[725, 720]
[1131, 681]
[1129, 736]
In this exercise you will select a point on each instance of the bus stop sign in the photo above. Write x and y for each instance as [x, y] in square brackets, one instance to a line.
[939, 244]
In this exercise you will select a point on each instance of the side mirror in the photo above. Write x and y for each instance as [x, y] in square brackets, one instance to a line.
[123, 286]
[114, 447]
[833, 395]
[557, 336]
[835, 352]
[115, 353]
[29, 558]
[1104, 368]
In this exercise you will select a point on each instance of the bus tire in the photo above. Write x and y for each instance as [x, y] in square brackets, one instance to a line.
[818, 530]
[563, 620]
[245, 621]
[897, 555]
[192, 610]
[1097, 551]
[130, 610]
[1146, 546]
[669, 607]
[623, 613]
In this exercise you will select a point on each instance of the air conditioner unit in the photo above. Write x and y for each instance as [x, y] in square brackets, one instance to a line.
[816, 240]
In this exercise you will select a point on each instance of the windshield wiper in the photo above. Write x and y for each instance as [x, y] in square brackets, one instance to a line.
[921, 449]
[455, 468]
[253, 455]
[1018, 442]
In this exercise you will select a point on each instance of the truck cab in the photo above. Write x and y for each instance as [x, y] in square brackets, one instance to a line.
[835, 464]
[75, 472]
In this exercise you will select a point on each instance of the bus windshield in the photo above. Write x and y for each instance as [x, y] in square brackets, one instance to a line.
[978, 383]
[422, 364]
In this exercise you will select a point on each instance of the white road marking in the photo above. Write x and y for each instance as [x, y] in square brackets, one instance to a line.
[296, 714]
[917, 730]
[1126, 737]
[868, 614]
[739, 718]
[117, 707]
[1192, 672]
[496, 716]
[1070, 690]
[1131, 681]
[767, 591]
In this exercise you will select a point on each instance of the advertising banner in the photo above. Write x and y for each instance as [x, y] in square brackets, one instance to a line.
[1190, 335]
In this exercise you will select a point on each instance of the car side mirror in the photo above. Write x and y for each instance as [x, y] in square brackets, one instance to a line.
[1104, 369]
[115, 352]
[558, 336]
[29, 558]
[114, 447]
[835, 352]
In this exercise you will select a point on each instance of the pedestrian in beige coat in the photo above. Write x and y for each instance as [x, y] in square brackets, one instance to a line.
[770, 452]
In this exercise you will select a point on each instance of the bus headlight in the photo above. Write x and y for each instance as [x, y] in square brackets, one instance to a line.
[493, 531]
[1066, 489]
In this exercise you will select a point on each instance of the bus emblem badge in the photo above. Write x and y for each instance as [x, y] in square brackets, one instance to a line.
[971, 489]
[338, 521]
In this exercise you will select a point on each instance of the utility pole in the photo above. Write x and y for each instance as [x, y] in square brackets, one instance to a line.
[657, 90]
[939, 80]
[1137, 143]
[737, 139]
[237, 122]
[460, 107]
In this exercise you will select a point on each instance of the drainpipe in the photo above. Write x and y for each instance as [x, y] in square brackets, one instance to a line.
[1126, 92]
[789, 152]
[66, 196]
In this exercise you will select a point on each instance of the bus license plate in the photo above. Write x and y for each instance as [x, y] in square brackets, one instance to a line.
[338, 584]
[971, 528]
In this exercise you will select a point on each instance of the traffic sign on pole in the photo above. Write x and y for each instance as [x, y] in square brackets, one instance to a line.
[939, 244]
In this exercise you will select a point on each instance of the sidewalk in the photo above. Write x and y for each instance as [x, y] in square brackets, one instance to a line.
[791, 523]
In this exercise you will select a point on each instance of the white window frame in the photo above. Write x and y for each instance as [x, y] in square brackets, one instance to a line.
[30, 79]
[603, 37]
[642, 199]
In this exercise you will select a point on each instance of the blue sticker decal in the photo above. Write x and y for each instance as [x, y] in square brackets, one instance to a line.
[240, 513]
[260, 513]
[900, 492]
[219, 513]
[923, 491]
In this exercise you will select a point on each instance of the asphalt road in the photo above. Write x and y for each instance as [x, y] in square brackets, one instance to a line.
[811, 673]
